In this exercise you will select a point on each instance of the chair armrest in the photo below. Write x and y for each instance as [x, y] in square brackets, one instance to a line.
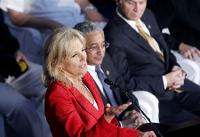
[149, 104]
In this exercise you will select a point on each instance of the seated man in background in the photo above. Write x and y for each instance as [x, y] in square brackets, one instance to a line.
[43, 16]
[143, 59]
[25, 78]
[165, 14]
[96, 46]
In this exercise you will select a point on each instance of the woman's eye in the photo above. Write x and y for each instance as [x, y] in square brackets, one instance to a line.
[74, 55]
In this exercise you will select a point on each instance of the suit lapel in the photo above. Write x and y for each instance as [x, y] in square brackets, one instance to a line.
[112, 74]
[163, 47]
[134, 36]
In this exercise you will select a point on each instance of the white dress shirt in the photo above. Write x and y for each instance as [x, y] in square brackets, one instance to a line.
[91, 70]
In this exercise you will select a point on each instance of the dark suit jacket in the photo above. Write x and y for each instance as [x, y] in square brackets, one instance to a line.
[136, 61]
[70, 114]
[112, 73]
[142, 69]
[181, 17]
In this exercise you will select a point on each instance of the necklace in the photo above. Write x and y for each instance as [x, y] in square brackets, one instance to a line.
[86, 92]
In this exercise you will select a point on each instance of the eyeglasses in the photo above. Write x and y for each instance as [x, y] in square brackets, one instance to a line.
[95, 47]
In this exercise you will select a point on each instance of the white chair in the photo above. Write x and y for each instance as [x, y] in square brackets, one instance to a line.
[190, 67]
[148, 104]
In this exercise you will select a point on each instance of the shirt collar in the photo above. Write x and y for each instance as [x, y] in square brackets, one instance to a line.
[130, 22]
[91, 67]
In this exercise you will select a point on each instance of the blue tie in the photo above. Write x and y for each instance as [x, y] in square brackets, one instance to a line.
[106, 87]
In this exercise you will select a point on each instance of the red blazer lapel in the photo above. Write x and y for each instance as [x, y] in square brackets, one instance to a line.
[88, 80]
[86, 105]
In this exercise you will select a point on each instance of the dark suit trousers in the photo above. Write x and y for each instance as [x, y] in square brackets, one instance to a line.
[189, 100]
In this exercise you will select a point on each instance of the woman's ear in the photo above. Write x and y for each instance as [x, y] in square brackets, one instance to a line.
[60, 67]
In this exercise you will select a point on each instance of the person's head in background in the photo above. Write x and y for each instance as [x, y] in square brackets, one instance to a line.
[64, 56]
[132, 9]
[95, 42]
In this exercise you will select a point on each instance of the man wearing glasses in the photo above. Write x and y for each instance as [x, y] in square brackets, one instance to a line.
[95, 49]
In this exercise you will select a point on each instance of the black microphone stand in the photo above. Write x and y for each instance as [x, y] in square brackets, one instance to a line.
[130, 96]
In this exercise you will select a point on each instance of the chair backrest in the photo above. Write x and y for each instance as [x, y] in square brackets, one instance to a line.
[149, 105]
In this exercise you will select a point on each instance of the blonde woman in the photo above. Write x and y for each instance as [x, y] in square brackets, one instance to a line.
[73, 104]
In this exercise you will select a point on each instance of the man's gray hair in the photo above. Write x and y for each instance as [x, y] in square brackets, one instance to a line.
[86, 27]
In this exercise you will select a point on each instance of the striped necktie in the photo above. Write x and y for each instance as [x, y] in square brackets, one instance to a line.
[108, 92]
[150, 40]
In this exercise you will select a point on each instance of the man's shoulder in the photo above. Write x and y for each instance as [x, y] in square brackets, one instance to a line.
[110, 24]
[114, 25]
[148, 13]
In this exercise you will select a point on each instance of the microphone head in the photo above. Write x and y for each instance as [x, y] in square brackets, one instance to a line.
[109, 82]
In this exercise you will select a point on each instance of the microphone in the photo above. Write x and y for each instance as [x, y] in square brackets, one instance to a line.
[130, 96]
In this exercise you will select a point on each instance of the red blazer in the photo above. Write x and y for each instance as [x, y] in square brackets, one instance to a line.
[70, 114]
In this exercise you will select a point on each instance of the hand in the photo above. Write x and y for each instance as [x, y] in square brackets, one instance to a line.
[177, 85]
[132, 119]
[188, 51]
[20, 56]
[147, 134]
[178, 68]
[175, 79]
[110, 112]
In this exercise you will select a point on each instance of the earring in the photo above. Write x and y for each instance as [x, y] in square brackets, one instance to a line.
[60, 69]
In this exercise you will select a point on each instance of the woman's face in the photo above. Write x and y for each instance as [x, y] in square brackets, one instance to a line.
[75, 65]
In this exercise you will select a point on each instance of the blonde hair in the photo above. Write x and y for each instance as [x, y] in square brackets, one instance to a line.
[59, 45]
